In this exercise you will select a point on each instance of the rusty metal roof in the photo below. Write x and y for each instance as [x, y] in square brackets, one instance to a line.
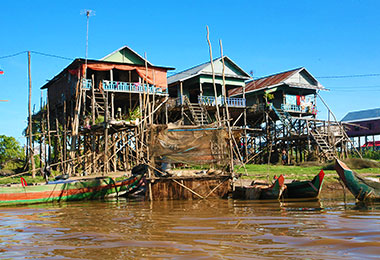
[264, 82]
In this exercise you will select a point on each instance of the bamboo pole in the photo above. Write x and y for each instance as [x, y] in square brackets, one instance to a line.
[106, 135]
[64, 144]
[41, 131]
[93, 99]
[213, 78]
[227, 112]
[48, 129]
[182, 100]
[31, 152]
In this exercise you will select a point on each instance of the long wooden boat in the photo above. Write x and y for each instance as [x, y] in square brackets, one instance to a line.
[362, 189]
[304, 189]
[260, 191]
[274, 191]
[67, 190]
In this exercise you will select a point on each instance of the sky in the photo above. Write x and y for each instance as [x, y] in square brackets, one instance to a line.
[329, 38]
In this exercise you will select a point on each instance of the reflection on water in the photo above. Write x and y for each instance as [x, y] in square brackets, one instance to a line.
[209, 229]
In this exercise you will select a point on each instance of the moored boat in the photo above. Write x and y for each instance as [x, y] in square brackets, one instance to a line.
[261, 191]
[68, 190]
[304, 189]
[274, 191]
[363, 189]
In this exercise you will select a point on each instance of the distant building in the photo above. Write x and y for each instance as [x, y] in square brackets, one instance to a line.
[123, 73]
[293, 91]
[196, 83]
[363, 123]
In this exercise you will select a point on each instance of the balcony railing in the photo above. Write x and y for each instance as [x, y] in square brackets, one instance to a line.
[86, 83]
[300, 109]
[119, 86]
[221, 101]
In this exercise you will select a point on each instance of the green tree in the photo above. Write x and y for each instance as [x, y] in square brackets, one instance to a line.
[9, 149]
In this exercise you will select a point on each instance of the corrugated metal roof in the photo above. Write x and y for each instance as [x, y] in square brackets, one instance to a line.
[265, 82]
[362, 115]
[199, 69]
[187, 73]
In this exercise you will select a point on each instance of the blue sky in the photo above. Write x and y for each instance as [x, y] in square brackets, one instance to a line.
[329, 38]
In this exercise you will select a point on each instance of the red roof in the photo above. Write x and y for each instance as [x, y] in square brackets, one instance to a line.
[264, 82]
[370, 144]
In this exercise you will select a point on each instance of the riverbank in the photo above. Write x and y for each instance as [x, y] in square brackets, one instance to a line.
[293, 172]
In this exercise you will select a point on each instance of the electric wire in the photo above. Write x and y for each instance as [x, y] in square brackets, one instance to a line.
[35, 52]
[172, 72]
[12, 55]
[51, 55]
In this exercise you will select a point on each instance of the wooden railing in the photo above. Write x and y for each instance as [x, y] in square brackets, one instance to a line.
[130, 87]
[297, 108]
[220, 101]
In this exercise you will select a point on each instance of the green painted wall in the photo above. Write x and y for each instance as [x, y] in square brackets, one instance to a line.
[125, 56]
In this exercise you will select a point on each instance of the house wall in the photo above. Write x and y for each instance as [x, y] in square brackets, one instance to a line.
[219, 80]
[124, 56]
[372, 125]
[62, 90]
[301, 78]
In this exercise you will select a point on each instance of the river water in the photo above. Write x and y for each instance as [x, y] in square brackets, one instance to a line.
[210, 229]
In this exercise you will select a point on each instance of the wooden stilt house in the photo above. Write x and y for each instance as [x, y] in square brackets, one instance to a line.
[97, 108]
[196, 99]
[364, 128]
[283, 109]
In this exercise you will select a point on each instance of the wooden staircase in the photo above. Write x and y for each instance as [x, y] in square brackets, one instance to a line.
[100, 100]
[323, 143]
[284, 117]
[198, 113]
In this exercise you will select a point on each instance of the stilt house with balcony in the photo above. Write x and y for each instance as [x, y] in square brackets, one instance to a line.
[363, 127]
[193, 91]
[283, 110]
[96, 110]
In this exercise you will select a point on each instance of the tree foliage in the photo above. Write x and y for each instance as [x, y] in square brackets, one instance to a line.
[10, 149]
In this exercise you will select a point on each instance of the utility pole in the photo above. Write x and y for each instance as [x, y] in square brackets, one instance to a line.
[88, 14]
[31, 152]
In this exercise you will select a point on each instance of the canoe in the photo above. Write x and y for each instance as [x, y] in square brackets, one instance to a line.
[67, 190]
[274, 191]
[260, 191]
[362, 189]
[304, 189]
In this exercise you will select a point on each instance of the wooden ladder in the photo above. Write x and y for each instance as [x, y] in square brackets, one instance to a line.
[322, 141]
[99, 103]
[198, 113]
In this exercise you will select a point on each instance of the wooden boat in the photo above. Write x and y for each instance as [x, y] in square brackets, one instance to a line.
[304, 189]
[274, 191]
[362, 189]
[68, 190]
[260, 191]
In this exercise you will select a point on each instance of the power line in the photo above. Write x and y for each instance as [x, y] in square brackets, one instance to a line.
[350, 76]
[12, 55]
[36, 52]
[51, 55]
[355, 87]
[185, 73]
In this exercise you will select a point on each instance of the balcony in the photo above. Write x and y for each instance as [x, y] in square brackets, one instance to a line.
[300, 109]
[221, 101]
[126, 87]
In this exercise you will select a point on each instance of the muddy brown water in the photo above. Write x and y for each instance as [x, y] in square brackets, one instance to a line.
[212, 229]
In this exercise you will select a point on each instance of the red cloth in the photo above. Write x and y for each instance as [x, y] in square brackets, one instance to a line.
[298, 100]
[154, 76]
